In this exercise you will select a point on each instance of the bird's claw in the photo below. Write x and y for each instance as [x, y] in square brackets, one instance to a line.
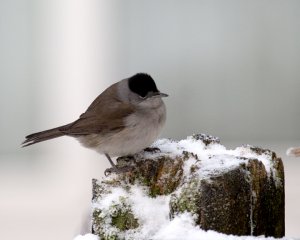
[152, 149]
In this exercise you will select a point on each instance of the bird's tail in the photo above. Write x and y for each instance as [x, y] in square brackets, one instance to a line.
[43, 136]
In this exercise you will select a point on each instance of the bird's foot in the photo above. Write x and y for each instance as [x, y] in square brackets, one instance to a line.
[128, 158]
[152, 149]
[118, 170]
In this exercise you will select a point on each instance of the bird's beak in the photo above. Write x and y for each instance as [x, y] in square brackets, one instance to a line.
[156, 94]
[163, 94]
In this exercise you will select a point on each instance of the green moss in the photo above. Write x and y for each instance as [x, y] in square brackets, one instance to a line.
[122, 216]
[161, 176]
[109, 237]
[187, 200]
[118, 218]
[99, 224]
[124, 220]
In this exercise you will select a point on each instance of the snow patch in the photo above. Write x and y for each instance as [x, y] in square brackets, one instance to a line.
[88, 236]
[151, 212]
[213, 156]
[111, 198]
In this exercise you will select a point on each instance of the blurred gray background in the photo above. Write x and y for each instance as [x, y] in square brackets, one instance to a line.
[231, 68]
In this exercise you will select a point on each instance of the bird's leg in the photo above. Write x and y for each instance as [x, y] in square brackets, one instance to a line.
[111, 161]
[114, 168]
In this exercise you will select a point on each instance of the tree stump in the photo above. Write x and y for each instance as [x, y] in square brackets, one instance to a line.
[239, 192]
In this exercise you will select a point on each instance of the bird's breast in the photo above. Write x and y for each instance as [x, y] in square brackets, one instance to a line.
[141, 129]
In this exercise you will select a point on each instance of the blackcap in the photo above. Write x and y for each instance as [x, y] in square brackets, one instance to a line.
[123, 120]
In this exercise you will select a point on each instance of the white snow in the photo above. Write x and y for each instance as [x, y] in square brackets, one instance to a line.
[88, 236]
[214, 157]
[181, 227]
[111, 198]
[151, 212]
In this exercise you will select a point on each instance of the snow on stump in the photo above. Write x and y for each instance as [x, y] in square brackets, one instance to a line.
[239, 192]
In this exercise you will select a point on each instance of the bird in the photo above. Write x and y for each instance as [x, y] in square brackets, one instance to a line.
[124, 119]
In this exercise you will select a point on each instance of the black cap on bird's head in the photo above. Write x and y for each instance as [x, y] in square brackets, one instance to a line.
[144, 85]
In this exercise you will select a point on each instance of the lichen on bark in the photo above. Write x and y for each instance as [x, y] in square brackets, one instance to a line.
[118, 218]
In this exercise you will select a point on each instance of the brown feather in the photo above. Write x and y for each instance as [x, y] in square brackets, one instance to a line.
[104, 115]
[42, 136]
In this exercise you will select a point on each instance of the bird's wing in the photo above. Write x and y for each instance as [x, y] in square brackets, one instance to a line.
[105, 115]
